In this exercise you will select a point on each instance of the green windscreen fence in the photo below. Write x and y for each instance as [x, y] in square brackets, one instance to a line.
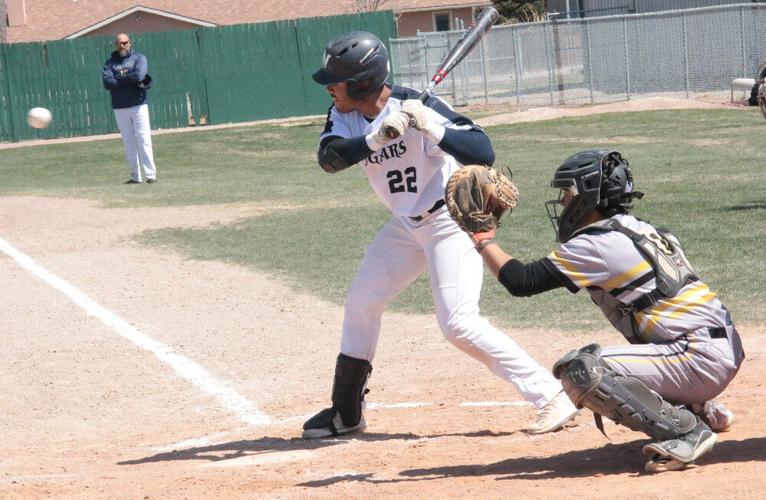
[225, 74]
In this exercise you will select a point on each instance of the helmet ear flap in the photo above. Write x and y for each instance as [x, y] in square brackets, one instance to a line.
[358, 86]
[616, 183]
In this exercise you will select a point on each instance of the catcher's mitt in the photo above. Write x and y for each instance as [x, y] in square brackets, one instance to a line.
[478, 196]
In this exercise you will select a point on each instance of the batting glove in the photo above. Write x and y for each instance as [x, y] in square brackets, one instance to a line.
[395, 121]
[421, 119]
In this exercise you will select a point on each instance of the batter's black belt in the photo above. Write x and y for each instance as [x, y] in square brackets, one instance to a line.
[431, 210]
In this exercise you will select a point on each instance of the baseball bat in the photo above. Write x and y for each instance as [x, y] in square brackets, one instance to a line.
[472, 36]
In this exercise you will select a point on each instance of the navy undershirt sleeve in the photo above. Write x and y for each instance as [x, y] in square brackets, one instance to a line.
[468, 147]
[351, 150]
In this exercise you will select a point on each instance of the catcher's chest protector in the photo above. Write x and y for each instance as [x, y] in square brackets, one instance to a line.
[663, 250]
[672, 272]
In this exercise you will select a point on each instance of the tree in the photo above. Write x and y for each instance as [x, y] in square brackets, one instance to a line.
[513, 11]
[369, 5]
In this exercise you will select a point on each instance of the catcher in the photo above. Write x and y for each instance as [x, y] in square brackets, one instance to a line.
[684, 349]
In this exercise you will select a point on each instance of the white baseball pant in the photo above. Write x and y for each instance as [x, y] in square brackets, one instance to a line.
[401, 251]
[137, 140]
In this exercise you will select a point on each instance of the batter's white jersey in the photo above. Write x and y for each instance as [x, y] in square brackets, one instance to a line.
[409, 173]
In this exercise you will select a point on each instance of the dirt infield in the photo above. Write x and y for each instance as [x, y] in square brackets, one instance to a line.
[89, 412]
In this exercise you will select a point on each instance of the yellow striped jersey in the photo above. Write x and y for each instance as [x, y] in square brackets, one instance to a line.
[615, 273]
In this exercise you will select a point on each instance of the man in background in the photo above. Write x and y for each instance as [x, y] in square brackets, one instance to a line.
[125, 77]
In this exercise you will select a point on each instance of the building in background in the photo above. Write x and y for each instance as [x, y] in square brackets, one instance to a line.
[36, 20]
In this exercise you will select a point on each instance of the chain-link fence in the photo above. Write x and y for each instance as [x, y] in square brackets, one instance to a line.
[680, 53]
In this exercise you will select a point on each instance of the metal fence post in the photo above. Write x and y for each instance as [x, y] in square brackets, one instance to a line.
[548, 59]
[627, 57]
[425, 60]
[742, 39]
[686, 55]
[517, 62]
[589, 64]
[482, 54]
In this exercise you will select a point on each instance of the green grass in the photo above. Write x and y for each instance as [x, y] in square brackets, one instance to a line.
[701, 170]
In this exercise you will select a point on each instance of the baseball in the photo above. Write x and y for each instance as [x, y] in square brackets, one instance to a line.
[39, 117]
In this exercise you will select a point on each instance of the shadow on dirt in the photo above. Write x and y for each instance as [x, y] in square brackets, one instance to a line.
[624, 458]
[237, 449]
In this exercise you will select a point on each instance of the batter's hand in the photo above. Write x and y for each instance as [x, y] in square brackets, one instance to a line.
[394, 125]
[421, 120]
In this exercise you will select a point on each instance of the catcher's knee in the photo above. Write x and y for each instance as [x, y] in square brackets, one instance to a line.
[591, 384]
[580, 372]
[349, 387]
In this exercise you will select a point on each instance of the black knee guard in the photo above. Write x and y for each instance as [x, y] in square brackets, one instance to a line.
[589, 383]
[349, 387]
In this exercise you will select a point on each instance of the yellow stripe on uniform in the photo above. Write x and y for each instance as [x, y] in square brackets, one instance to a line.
[673, 308]
[570, 270]
[678, 357]
[680, 304]
[627, 276]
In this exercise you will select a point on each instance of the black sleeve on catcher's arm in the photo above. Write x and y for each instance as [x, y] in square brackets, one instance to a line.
[341, 153]
[524, 280]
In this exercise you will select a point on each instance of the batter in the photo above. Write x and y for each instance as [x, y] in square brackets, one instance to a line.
[408, 174]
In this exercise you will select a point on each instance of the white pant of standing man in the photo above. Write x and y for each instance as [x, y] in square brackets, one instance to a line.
[136, 137]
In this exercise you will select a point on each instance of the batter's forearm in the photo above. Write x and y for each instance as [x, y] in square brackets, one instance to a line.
[351, 150]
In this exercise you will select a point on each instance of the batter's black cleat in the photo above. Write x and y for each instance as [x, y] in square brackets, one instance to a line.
[328, 423]
[131, 181]
[676, 454]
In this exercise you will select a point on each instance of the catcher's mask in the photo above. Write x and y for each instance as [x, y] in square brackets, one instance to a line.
[594, 179]
[358, 58]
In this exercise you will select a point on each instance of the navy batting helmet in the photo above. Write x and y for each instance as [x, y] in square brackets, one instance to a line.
[359, 58]
[598, 178]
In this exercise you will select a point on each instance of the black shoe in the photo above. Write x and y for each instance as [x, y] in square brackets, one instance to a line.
[327, 423]
[675, 454]
[131, 181]
[151, 181]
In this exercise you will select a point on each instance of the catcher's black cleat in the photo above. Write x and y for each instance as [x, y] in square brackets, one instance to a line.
[676, 454]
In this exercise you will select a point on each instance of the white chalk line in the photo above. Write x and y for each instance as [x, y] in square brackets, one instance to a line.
[495, 403]
[183, 366]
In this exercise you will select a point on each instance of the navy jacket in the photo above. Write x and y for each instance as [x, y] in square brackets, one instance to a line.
[121, 78]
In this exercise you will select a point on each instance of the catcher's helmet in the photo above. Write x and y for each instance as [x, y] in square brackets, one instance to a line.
[595, 179]
[359, 58]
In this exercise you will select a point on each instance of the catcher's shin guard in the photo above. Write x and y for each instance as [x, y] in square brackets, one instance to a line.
[626, 400]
